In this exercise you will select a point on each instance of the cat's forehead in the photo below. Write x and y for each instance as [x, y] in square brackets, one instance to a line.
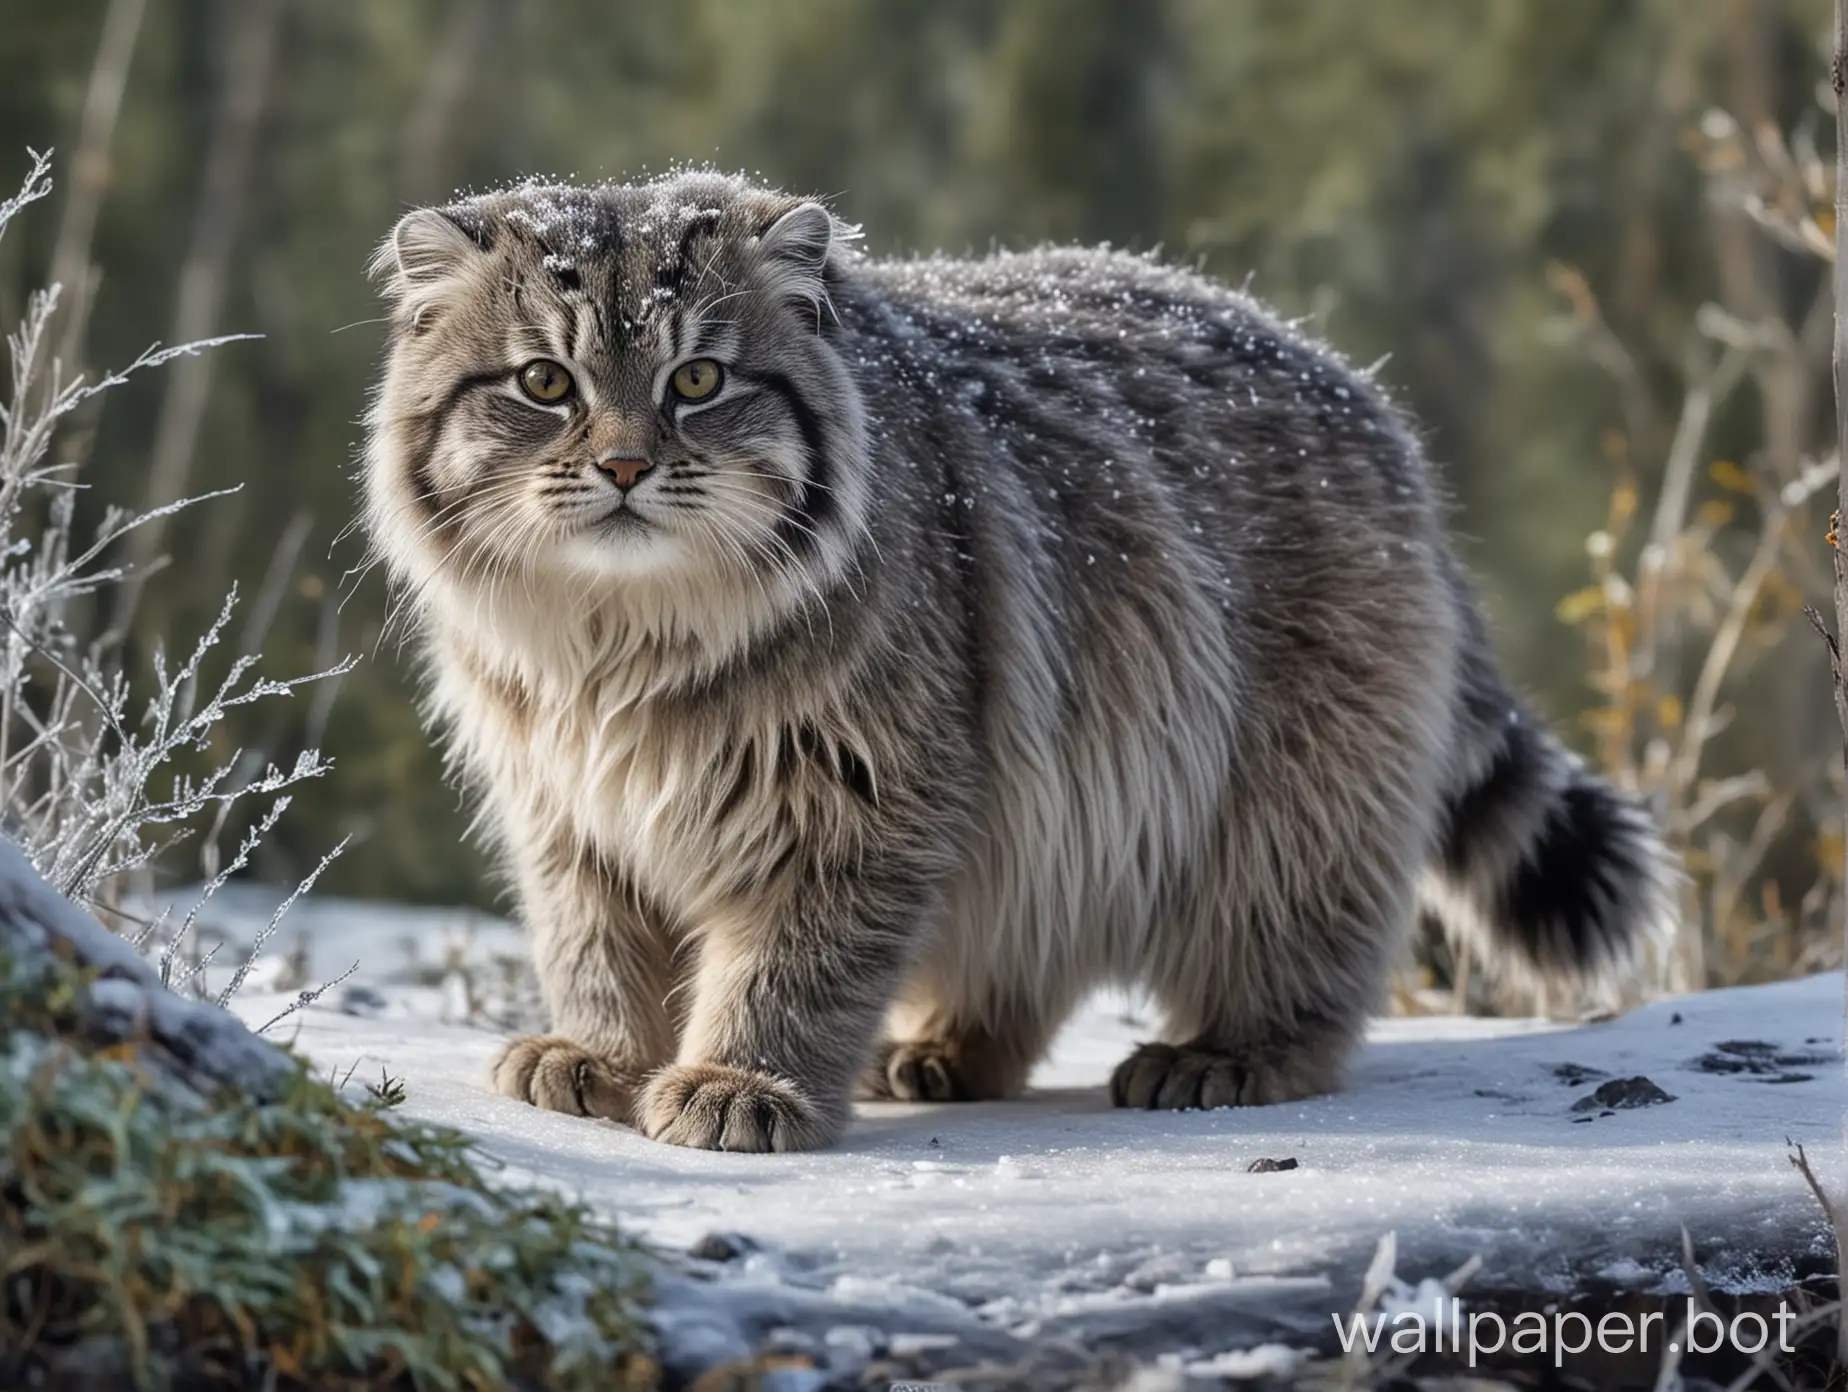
[558, 221]
[637, 261]
[639, 240]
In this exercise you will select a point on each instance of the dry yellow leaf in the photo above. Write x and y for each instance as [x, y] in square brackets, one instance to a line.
[1730, 476]
[1575, 608]
[1623, 506]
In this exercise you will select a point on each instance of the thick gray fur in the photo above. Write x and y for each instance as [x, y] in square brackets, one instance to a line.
[1000, 628]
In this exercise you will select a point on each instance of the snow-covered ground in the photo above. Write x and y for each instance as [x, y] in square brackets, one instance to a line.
[1058, 1216]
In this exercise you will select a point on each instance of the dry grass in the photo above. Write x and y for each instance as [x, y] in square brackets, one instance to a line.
[1692, 613]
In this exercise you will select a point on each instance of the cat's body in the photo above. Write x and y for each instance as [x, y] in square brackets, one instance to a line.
[994, 630]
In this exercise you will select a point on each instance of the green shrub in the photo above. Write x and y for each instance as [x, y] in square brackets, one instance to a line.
[156, 1236]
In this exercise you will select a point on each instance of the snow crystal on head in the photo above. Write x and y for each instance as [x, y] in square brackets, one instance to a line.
[657, 242]
[643, 231]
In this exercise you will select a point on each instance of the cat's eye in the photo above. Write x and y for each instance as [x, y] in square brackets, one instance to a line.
[696, 380]
[545, 381]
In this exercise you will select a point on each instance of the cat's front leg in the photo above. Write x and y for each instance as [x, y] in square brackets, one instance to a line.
[789, 996]
[604, 966]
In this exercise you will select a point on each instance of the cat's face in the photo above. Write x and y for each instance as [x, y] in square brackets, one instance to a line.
[615, 384]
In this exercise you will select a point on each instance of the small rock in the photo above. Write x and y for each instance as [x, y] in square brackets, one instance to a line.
[1269, 1166]
[1621, 1094]
[361, 1000]
[1576, 1074]
[1765, 1062]
[722, 1247]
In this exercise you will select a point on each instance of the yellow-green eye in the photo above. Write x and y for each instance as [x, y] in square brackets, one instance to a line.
[697, 380]
[546, 381]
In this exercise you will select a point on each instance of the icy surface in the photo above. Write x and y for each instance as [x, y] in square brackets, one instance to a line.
[1057, 1214]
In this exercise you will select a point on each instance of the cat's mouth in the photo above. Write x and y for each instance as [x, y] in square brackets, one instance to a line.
[622, 520]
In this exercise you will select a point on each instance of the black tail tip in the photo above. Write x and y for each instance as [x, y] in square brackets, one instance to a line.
[1554, 867]
[1591, 888]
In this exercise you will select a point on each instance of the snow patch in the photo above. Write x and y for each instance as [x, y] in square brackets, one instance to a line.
[1057, 1215]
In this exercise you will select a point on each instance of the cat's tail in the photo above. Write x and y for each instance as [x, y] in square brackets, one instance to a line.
[1544, 865]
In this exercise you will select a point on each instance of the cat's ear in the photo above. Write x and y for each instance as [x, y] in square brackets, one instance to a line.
[426, 249]
[801, 238]
[798, 248]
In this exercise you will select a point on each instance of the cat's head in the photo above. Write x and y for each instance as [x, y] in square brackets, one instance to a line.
[620, 385]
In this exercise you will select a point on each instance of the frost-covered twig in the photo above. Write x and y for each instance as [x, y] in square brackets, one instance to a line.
[252, 839]
[305, 999]
[269, 928]
[92, 793]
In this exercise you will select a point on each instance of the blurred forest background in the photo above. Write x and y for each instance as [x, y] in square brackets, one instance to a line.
[1590, 234]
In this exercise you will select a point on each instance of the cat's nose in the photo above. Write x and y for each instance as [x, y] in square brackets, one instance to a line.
[626, 470]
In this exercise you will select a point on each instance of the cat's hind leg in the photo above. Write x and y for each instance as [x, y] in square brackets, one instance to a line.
[1270, 962]
[967, 1027]
[1263, 1012]
[958, 1061]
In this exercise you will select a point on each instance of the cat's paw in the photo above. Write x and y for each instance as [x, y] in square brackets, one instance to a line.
[1170, 1077]
[552, 1072]
[712, 1106]
[916, 1070]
